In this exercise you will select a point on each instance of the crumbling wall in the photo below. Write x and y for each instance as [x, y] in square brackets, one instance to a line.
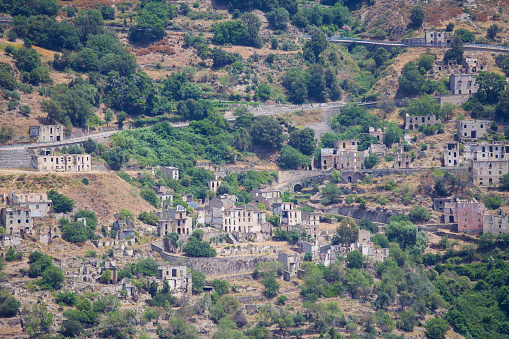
[220, 265]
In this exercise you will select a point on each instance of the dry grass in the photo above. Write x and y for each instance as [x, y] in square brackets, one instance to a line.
[302, 118]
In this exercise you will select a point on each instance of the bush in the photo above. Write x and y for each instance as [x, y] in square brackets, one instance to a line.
[436, 328]
[355, 259]
[150, 196]
[12, 36]
[418, 214]
[148, 218]
[371, 160]
[85, 181]
[9, 307]
[61, 203]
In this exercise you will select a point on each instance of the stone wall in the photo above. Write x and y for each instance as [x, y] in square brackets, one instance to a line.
[374, 214]
[215, 265]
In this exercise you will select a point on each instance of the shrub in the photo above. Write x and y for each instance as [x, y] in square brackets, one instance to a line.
[436, 328]
[418, 214]
[9, 307]
[12, 36]
[85, 181]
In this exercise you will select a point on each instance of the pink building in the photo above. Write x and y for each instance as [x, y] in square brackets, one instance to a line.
[470, 216]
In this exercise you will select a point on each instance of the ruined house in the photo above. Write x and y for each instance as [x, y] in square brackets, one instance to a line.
[438, 38]
[495, 224]
[413, 122]
[214, 183]
[291, 264]
[17, 219]
[170, 172]
[51, 162]
[178, 278]
[378, 133]
[471, 129]
[344, 156]
[402, 160]
[452, 154]
[488, 172]
[38, 203]
[467, 214]
[267, 197]
[311, 223]
[163, 193]
[439, 203]
[288, 213]
[47, 133]
[174, 220]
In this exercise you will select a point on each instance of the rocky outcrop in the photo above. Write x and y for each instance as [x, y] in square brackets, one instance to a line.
[374, 214]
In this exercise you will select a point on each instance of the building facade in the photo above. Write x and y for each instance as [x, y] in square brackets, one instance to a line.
[288, 212]
[452, 154]
[38, 203]
[170, 172]
[413, 122]
[47, 133]
[17, 219]
[470, 216]
[488, 172]
[344, 155]
[463, 83]
[175, 220]
[62, 163]
[471, 129]
[495, 224]
[178, 278]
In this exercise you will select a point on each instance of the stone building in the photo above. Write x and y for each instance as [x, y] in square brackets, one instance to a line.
[467, 214]
[452, 154]
[344, 156]
[243, 219]
[163, 193]
[291, 264]
[38, 203]
[311, 223]
[378, 149]
[175, 220]
[378, 133]
[439, 203]
[438, 38]
[486, 150]
[47, 133]
[178, 278]
[495, 224]
[288, 212]
[170, 172]
[471, 129]
[463, 83]
[413, 122]
[212, 214]
[17, 219]
[214, 184]
[267, 197]
[473, 65]
[488, 172]
[51, 162]
[402, 160]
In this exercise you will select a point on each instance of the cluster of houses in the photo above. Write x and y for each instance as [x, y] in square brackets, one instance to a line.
[471, 216]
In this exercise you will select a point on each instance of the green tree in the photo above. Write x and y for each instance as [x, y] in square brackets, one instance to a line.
[491, 85]
[393, 134]
[381, 240]
[426, 61]
[61, 203]
[315, 46]
[418, 214]
[303, 139]
[197, 248]
[27, 59]
[346, 233]
[39, 319]
[221, 286]
[371, 160]
[417, 16]
[411, 80]
[381, 56]
[271, 286]
[9, 306]
[105, 277]
[436, 328]
[267, 132]
[278, 18]
[198, 281]
[331, 194]
[52, 278]
[291, 158]
[71, 328]
[455, 53]
[355, 259]
[402, 232]
[108, 12]
[425, 105]
[336, 176]
[465, 35]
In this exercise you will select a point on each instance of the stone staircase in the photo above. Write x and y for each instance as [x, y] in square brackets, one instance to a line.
[15, 158]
